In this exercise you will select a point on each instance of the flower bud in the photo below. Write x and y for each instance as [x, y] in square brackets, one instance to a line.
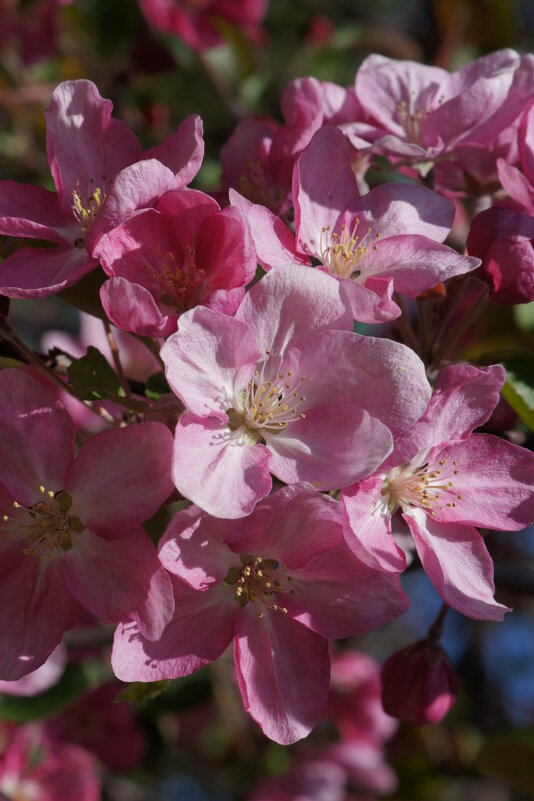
[418, 683]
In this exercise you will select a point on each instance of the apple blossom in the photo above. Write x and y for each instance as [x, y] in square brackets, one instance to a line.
[280, 584]
[444, 480]
[284, 387]
[101, 178]
[71, 528]
[389, 239]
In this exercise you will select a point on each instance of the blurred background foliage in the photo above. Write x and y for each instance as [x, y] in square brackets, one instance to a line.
[201, 744]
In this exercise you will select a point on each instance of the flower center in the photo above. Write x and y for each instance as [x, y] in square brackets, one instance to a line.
[421, 487]
[341, 253]
[267, 407]
[48, 524]
[180, 287]
[259, 581]
[86, 205]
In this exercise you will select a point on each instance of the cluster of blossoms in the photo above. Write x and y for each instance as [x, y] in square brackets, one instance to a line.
[370, 443]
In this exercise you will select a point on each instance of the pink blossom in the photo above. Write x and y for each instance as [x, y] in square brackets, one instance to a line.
[259, 157]
[280, 607]
[166, 260]
[284, 387]
[200, 23]
[423, 112]
[33, 768]
[389, 239]
[72, 536]
[101, 178]
[444, 480]
[33, 28]
[418, 683]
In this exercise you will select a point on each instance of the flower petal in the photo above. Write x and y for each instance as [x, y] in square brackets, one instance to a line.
[367, 526]
[39, 272]
[458, 564]
[37, 441]
[121, 477]
[283, 671]
[215, 469]
[119, 579]
[200, 632]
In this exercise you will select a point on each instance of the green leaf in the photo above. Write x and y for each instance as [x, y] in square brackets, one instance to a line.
[518, 389]
[72, 684]
[510, 757]
[156, 386]
[93, 378]
[143, 691]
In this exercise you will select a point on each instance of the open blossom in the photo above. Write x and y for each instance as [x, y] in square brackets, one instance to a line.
[423, 112]
[444, 481]
[199, 22]
[389, 239]
[284, 387]
[259, 157]
[70, 529]
[101, 178]
[280, 584]
[167, 260]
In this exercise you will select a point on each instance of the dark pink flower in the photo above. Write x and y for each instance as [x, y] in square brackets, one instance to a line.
[280, 584]
[284, 387]
[389, 239]
[164, 261]
[418, 683]
[444, 480]
[71, 528]
[103, 726]
[101, 178]
[200, 23]
[502, 238]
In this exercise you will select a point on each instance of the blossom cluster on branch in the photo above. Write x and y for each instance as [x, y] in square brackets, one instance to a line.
[311, 463]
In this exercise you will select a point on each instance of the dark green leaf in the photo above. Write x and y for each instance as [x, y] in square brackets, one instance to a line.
[156, 386]
[93, 378]
[518, 389]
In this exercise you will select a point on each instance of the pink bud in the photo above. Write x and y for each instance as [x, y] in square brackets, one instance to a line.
[418, 683]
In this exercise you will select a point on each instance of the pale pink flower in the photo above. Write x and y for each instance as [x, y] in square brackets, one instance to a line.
[389, 239]
[423, 112]
[444, 480]
[101, 178]
[284, 387]
[280, 584]
[167, 260]
[71, 528]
